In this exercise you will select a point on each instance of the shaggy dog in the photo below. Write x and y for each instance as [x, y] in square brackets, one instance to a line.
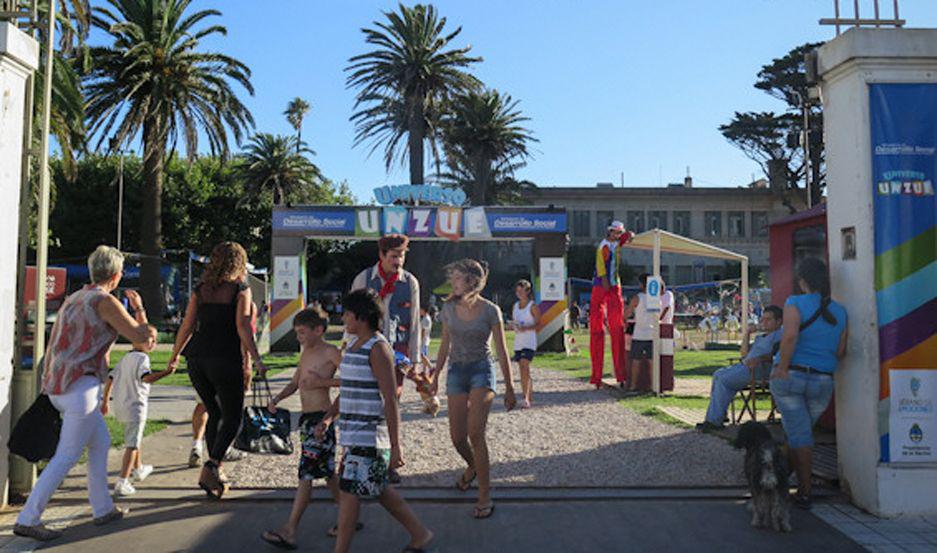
[766, 472]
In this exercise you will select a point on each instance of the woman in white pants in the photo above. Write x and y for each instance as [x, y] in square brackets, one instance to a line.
[75, 367]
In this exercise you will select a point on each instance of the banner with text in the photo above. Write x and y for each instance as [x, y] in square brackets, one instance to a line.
[904, 142]
[452, 223]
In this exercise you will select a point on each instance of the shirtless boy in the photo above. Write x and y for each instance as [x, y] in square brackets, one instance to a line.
[313, 378]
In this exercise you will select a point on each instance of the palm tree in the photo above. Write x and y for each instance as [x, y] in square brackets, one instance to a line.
[485, 144]
[403, 80]
[66, 113]
[154, 81]
[277, 163]
[295, 112]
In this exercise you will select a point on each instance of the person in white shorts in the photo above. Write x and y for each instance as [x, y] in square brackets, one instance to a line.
[129, 383]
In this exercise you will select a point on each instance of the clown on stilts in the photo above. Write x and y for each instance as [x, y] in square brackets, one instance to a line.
[607, 302]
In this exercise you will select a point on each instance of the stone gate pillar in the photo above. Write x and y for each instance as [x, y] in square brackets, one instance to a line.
[19, 57]
[879, 89]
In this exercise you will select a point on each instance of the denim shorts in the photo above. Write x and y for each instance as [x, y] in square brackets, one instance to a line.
[801, 398]
[462, 378]
[525, 353]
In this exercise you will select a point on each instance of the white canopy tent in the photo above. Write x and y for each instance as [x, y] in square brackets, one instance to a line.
[657, 241]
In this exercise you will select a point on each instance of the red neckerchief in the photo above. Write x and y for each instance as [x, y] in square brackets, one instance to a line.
[390, 281]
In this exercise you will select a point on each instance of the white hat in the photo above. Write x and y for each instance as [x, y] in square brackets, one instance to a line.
[616, 225]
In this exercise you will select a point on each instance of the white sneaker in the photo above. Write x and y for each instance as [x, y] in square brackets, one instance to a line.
[141, 473]
[123, 487]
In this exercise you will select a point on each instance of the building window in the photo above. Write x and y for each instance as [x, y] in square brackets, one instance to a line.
[684, 274]
[581, 224]
[737, 224]
[657, 219]
[713, 223]
[759, 223]
[635, 221]
[602, 220]
[681, 223]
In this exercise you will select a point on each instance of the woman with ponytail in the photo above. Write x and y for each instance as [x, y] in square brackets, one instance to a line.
[468, 323]
[813, 342]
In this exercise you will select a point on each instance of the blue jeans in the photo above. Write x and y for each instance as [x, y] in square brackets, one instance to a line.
[727, 382]
[465, 377]
[801, 398]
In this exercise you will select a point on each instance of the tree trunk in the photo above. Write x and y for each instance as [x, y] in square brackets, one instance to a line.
[416, 132]
[151, 232]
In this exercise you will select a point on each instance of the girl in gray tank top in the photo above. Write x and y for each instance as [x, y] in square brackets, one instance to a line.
[468, 322]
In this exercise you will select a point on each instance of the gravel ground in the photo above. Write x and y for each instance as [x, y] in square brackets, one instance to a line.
[572, 436]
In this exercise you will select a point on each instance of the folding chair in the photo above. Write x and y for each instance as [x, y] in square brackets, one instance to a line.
[749, 397]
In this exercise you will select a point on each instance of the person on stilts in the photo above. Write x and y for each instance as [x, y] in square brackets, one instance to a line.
[606, 302]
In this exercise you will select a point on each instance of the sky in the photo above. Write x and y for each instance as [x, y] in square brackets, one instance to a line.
[628, 87]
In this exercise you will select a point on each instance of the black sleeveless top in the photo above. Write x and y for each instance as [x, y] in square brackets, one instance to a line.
[216, 333]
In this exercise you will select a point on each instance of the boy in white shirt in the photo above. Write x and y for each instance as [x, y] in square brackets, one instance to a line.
[130, 383]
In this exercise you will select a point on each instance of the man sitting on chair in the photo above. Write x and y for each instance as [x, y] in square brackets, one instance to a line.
[728, 381]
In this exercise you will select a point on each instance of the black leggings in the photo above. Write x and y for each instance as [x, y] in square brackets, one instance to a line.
[219, 381]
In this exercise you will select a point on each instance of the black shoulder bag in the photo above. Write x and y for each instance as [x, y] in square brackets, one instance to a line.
[261, 430]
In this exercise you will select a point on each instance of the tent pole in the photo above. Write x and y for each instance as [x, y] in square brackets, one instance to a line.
[744, 295]
[655, 329]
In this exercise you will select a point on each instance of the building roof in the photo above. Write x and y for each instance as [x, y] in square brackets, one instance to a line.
[610, 192]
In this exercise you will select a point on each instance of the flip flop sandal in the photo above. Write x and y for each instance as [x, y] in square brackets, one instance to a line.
[462, 484]
[276, 540]
[333, 531]
[484, 512]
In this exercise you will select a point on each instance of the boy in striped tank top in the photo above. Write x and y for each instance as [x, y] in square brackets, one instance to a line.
[368, 423]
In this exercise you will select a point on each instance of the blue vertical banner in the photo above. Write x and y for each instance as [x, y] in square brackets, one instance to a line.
[903, 121]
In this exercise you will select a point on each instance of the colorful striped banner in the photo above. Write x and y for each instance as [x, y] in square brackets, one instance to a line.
[904, 164]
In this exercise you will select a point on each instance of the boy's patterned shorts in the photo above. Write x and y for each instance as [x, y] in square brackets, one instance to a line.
[363, 471]
[317, 459]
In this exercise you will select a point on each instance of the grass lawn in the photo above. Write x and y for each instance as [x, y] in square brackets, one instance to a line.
[687, 363]
[159, 360]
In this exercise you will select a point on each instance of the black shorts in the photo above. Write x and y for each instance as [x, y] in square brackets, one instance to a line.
[525, 353]
[642, 349]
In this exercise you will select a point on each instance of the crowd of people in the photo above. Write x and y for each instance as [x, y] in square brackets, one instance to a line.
[352, 441]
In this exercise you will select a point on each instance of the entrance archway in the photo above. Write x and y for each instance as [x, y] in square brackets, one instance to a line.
[293, 226]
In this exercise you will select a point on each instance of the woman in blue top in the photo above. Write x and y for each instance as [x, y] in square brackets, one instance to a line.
[813, 342]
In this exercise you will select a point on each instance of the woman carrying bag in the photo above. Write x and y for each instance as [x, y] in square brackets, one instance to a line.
[218, 323]
[74, 368]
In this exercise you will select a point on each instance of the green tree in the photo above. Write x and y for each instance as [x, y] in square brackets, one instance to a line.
[277, 163]
[402, 82]
[296, 111]
[155, 81]
[773, 139]
[205, 204]
[485, 142]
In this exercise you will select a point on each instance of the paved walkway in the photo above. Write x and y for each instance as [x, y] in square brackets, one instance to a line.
[555, 526]
[538, 514]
